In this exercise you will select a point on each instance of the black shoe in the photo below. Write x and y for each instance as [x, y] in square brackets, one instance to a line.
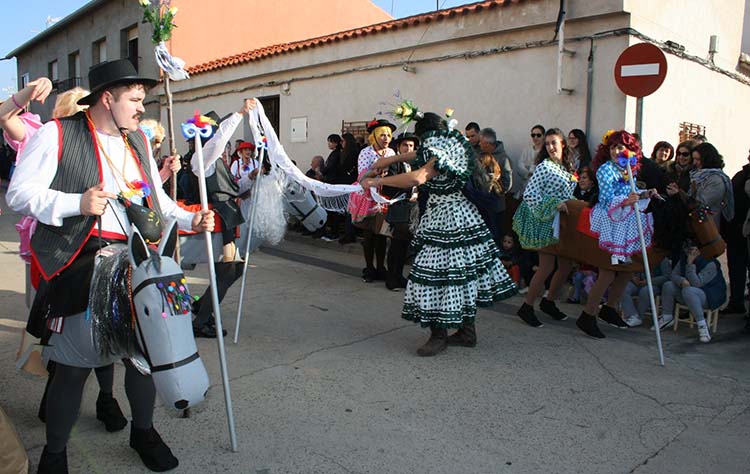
[526, 312]
[392, 285]
[587, 324]
[610, 315]
[549, 307]
[154, 453]
[381, 274]
[208, 331]
[53, 463]
[108, 412]
[347, 239]
[368, 275]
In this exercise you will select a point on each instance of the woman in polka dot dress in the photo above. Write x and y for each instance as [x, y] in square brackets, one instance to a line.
[457, 267]
[544, 197]
[613, 220]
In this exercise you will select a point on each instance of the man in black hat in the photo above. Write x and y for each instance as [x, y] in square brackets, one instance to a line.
[399, 214]
[74, 170]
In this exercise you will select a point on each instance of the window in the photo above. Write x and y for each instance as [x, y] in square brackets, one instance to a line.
[74, 73]
[271, 105]
[99, 51]
[689, 130]
[129, 44]
[52, 74]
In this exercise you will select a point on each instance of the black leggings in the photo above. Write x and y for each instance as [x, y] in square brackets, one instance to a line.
[66, 391]
[374, 245]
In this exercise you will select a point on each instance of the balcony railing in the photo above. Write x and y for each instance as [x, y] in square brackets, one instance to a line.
[67, 84]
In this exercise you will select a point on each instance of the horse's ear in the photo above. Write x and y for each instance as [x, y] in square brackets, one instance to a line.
[137, 249]
[168, 239]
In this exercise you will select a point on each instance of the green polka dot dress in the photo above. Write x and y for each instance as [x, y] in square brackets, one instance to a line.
[457, 266]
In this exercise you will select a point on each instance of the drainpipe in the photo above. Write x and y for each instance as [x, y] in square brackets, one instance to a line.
[589, 87]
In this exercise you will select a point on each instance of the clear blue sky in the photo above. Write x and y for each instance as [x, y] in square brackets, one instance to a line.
[30, 17]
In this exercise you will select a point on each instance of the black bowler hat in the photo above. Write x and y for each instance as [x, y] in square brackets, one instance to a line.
[406, 136]
[113, 73]
[379, 123]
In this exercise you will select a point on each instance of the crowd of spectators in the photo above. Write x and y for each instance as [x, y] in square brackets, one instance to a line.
[691, 171]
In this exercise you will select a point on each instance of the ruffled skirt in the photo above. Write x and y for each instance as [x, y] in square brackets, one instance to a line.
[457, 266]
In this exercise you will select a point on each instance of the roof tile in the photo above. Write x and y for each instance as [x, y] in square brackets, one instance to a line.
[268, 51]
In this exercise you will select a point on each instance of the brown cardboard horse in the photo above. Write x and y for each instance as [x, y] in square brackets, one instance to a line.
[584, 248]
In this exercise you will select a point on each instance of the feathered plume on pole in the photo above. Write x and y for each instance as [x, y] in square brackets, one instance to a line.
[160, 15]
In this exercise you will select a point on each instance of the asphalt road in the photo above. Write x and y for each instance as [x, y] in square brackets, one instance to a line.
[325, 380]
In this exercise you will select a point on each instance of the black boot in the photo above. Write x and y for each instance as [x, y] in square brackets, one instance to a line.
[612, 317]
[108, 412]
[587, 323]
[436, 344]
[53, 463]
[526, 312]
[466, 336]
[549, 307]
[154, 453]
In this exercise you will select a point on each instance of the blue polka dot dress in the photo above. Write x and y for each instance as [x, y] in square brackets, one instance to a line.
[457, 266]
[615, 225]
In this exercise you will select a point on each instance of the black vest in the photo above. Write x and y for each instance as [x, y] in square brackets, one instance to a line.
[78, 169]
[223, 191]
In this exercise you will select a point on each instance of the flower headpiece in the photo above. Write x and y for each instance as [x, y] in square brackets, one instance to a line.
[606, 136]
[161, 16]
[406, 111]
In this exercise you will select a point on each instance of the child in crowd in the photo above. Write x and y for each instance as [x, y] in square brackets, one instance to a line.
[511, 258]
[637, 287]
[583, 279]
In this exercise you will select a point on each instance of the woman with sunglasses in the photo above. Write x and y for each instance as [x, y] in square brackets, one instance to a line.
[678, 171]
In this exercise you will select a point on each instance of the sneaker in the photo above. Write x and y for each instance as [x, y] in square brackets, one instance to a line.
[549, 307]
[665, 321]
[526, 312]
[703, 334]
[587, 323]
[327, 238]
[523, 291]
[610, 315]
[633, 321]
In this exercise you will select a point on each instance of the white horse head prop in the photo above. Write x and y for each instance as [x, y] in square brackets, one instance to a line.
[164, 329]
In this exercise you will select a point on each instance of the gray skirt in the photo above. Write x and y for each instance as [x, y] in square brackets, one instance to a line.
[75, 345]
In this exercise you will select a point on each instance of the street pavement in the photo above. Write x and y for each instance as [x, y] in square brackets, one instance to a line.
[325, 379]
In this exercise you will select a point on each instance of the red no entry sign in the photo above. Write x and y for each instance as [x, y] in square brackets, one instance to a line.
[640, 70]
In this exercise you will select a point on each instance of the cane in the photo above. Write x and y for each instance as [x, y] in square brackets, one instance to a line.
[192, 129]
[645, 265]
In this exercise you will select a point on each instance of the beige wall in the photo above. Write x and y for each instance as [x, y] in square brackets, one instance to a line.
[206, 33]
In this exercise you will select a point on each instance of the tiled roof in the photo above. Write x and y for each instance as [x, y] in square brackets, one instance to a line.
[284, 48]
